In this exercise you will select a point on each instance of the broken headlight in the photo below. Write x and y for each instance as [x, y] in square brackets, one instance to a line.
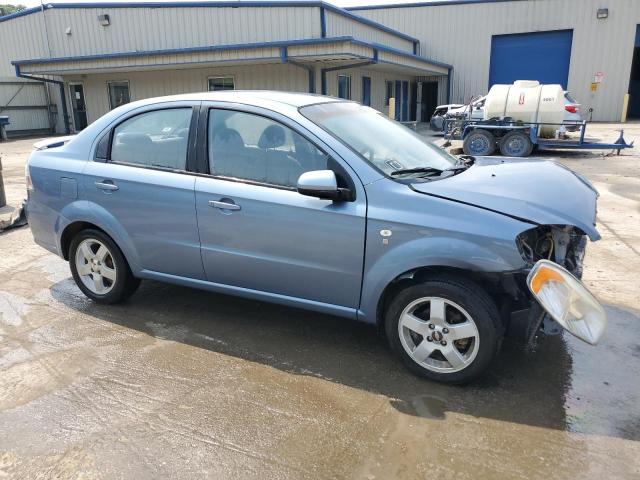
[567, 300]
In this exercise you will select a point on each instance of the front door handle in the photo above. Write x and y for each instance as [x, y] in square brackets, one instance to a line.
[223, 205]
[107, 185]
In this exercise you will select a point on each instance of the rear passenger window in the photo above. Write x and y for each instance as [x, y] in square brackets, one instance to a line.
[153, 139]
[255, 148]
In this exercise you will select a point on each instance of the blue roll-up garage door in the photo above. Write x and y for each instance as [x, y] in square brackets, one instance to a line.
[542, 56]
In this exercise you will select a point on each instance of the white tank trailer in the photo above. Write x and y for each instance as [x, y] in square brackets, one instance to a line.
[527, 101]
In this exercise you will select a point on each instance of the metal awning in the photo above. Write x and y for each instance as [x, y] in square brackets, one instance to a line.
[324, 53]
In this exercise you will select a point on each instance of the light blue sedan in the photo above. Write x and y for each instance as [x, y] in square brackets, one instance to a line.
[323, 204]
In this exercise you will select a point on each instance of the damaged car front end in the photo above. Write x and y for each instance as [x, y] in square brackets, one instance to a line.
[561, 207]
[563, 245]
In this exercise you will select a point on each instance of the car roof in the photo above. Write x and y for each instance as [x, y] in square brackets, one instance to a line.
[252, 97]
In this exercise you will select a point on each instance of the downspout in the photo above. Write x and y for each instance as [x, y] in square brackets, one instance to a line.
[63, 97]
[323, 23]
[449, 84]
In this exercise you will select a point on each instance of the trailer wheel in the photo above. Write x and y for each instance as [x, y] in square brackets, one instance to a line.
[516, 144]
[479, 142]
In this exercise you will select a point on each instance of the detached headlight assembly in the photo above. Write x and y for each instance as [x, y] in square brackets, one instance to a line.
[567, 300]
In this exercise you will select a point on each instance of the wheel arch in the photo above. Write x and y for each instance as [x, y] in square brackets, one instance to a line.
[71, 230]
[79, 217]
[495, 271]
[421, 274]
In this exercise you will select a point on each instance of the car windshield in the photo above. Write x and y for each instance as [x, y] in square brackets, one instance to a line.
[388, 145]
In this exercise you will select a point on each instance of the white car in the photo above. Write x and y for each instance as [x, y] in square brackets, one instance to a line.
[572, 116]
[437, 119]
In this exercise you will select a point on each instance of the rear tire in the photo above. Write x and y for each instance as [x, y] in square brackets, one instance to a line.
[516, 144]
[479, 142]
[445, 329]
[100, 269]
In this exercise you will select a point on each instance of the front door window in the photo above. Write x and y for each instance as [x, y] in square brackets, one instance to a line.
[255, 148]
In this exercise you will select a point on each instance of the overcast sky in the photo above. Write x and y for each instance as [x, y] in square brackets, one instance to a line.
[340, 3]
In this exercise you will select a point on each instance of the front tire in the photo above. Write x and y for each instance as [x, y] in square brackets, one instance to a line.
[100, 269]
[445, 329]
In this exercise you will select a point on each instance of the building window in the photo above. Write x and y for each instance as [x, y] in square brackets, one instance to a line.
[344, 86]
[221, 83]
[118, 93]
[389, 92]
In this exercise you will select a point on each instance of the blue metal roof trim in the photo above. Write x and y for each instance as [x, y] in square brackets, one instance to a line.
[386, 48]
[240, 46]
[427, 3]
[231, 4]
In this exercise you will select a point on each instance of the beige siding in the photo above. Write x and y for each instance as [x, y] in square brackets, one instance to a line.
[21, 37]
[461, 35]
[134, 29]
[170, 82]
[339, 25]
[328, 50]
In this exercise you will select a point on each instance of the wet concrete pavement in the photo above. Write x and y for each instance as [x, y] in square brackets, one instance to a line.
[178, 383]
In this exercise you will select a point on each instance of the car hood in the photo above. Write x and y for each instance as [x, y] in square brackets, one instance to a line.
[538, 191]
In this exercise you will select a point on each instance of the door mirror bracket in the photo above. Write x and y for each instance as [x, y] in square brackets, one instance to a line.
[323, 184]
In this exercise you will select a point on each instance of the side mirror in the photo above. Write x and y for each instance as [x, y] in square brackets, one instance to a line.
[322, 184]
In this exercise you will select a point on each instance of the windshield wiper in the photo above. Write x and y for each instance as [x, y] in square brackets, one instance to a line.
[407, 171]
[467, 160]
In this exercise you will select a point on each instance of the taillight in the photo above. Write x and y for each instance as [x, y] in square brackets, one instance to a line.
[571, 108]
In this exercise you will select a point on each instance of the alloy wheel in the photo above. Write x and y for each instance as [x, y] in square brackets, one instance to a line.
[95, 266]
[438, 334]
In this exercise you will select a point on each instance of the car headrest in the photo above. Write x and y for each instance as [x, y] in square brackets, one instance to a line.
[227, 138]
[272, 137]
[130, 138]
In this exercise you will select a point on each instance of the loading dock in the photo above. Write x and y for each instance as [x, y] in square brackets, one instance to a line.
[542, 56]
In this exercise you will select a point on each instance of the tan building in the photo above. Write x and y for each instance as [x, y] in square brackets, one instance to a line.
[93, 57]
[64, 65]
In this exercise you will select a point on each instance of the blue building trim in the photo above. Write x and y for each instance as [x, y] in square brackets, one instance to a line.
[217, 4]
[427, 3]
[323, 23]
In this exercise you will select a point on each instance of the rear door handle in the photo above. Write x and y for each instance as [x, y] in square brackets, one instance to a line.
[223, 205]
[107, 185]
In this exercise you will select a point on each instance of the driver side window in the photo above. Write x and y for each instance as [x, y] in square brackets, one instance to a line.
[153, 139]
[251, 147]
